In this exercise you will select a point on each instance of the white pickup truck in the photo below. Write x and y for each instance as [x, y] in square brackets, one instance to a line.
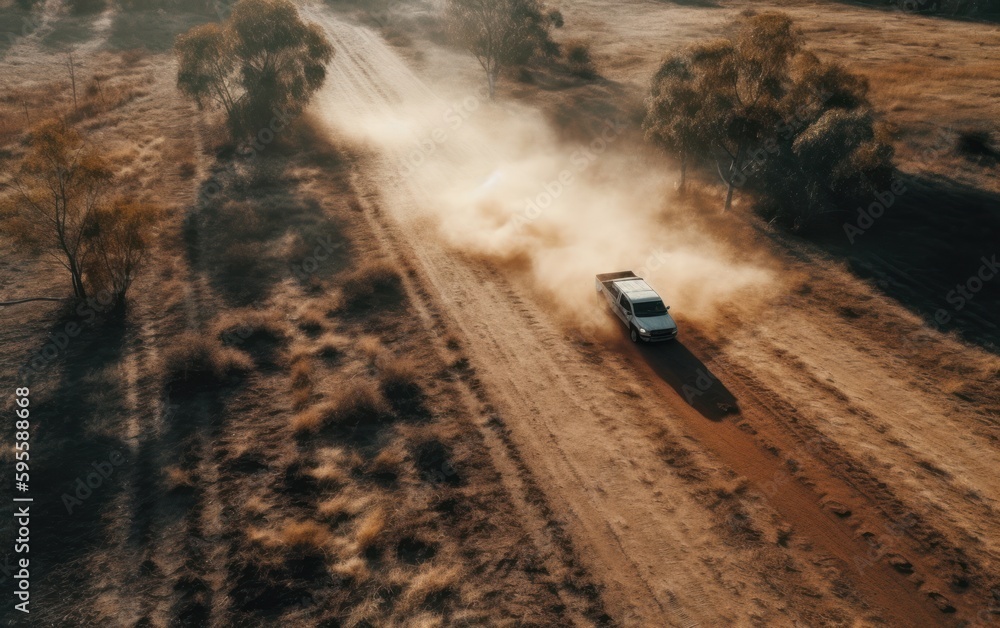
[638, 306]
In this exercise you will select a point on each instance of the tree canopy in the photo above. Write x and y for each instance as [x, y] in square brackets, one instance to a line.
[768, 115]
[263, 61]
[501, 33]
[61, 204]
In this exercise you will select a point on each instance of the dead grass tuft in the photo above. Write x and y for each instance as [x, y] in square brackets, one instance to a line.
[398, 376]
[429, 588]
[304, 535]
[370, 347]
[389, 462]
[257, 506]
[356, 400]
[332, 466]
[177, 479]
[198, 362]
[301, 398]
[331, 346]
[302, 374]
[374, 284]
[312, 321]
[370, 528]
[132, 57]
[251, 328]
[310, 419]
[343, 506]
[353, 569]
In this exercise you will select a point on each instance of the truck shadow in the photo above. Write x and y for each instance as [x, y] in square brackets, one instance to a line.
[694, 382]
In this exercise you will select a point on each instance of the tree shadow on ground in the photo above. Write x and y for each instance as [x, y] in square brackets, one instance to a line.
[257, 228]
[928, 244]
[76, 461]
[924, 8]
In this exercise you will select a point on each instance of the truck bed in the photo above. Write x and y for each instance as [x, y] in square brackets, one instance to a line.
[606, 277]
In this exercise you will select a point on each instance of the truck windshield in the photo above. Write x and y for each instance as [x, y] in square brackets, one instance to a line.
[650, 308]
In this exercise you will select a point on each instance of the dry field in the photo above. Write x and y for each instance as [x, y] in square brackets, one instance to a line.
[356, 387]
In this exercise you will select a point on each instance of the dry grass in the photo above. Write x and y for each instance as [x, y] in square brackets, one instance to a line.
[390, 460]
[310, 420]
[101, 95]
[353, 569]
[304, 535]
[249, 326]
[302, 374]
[312, 321]
[370, 347]
[358, 398]
[372, 283]
[177, 479]
[429, 587]
[355, 400]
[257, 506]
[343, 505]
[301, 398]
[331, 346]
[333, 466]
[133, 57]
[370, 528]
[197, 361]
[399, 376]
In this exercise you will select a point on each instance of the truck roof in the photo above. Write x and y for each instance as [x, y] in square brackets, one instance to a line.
[637, 290]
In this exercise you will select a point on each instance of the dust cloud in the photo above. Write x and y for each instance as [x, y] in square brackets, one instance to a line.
[499, 183]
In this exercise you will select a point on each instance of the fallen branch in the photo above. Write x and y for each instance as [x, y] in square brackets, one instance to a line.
[18, 301]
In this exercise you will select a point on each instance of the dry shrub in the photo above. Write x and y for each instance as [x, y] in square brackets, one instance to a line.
[250, 328]
[301, 397]
[331, 346]
[370, 528]
[353, 569]
[374, 283]
[302, 374]
[198, 362]
[356, 400]
[305, 535]
[388, 462]
[132, 57]
[580, 62]
[177, 479]
[21, 107]
[312, 321]
[343, 506]
[398, 376]
[429, 588]
[370, 347]
[310, 419]
[100, 95]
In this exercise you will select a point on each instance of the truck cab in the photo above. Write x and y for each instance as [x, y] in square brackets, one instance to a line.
[638, 306]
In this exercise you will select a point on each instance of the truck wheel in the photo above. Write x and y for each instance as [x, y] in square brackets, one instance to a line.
[634, 334]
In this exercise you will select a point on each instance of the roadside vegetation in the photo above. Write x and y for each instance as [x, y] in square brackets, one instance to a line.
[767, 115]
[60, 202]
[502, 34]
[262, 64]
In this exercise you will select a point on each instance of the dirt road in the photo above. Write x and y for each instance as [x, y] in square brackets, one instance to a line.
[815, 465]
